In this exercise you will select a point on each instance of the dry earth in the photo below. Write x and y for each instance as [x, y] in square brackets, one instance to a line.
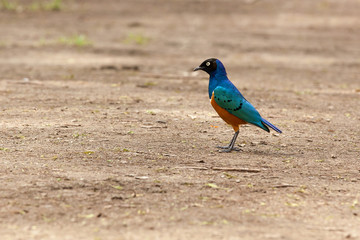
[111, 135]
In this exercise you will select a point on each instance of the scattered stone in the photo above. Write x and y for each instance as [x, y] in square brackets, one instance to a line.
[142, 177]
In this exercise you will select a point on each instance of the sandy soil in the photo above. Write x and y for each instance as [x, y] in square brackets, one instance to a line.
[116, 139]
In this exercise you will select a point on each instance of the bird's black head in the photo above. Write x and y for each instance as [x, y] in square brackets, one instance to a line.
[209, 65]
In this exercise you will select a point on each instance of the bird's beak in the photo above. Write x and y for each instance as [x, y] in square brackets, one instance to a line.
[198, 68]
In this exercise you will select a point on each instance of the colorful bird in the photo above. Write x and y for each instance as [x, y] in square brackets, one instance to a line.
[229, 103]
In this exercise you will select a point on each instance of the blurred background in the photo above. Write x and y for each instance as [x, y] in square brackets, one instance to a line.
[173, 36]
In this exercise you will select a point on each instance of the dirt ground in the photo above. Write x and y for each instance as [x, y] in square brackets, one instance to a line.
[106, 133]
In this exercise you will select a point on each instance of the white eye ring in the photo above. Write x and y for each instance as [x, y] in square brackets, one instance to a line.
[207, 63]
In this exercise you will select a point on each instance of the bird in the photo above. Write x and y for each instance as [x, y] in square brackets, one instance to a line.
[229, 103]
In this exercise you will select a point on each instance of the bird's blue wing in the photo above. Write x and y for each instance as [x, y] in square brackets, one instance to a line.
[233, 102]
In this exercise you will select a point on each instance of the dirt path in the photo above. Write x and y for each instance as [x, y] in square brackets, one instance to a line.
[106, 133]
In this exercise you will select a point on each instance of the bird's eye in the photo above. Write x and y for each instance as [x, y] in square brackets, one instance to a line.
[207, 63]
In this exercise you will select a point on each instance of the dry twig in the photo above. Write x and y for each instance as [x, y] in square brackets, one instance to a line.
[223, 169]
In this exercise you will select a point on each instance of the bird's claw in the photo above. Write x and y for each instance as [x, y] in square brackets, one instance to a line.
[223, 147]
[227, 149]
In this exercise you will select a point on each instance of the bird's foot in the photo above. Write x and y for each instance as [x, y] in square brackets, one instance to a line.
[227, 149]
[223, 147]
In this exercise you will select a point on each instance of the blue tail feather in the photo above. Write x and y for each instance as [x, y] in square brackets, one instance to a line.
[264, 121]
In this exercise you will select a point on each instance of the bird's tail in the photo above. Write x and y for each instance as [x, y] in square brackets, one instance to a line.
[264, 121]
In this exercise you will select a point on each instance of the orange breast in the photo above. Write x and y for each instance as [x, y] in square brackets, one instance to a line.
[226, 116]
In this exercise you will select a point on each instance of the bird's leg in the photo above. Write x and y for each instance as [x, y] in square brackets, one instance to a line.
[231, 145]
[231, 142]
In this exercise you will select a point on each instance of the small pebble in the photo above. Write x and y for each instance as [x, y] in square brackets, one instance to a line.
[142, 177]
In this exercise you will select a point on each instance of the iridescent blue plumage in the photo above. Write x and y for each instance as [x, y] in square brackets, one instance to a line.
[229, 102]
[229, 97]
